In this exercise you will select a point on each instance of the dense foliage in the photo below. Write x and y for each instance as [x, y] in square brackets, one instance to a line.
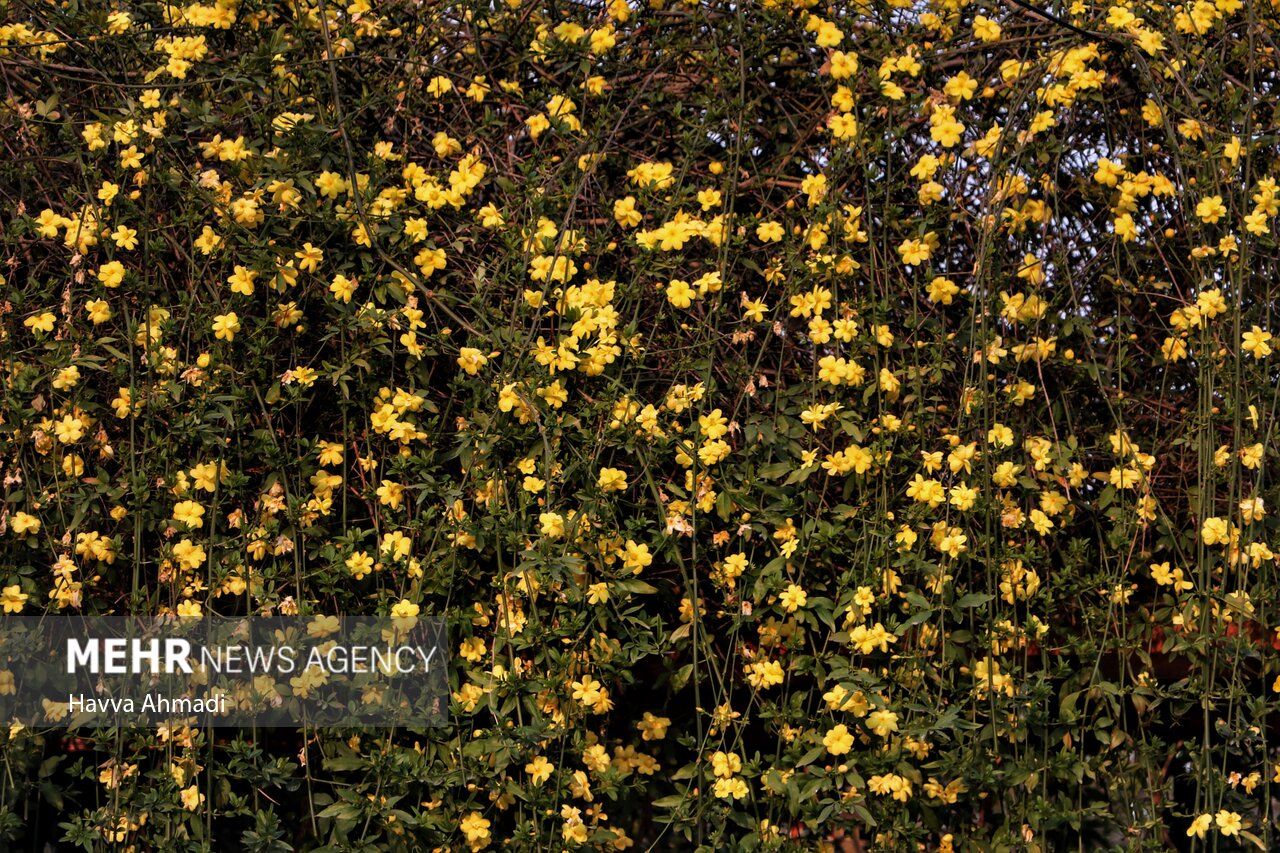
[821, 426]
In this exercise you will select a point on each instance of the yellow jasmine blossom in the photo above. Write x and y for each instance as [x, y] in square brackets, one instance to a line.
[1255, 342]
[13, 599]
[838, 740]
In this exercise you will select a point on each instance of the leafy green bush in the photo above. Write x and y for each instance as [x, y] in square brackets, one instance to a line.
[821, 427]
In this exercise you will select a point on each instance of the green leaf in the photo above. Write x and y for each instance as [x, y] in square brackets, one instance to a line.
[1253, 839]
[637, 586]
[811, 756]
[687, 772]
[341, 811]
[916, 619]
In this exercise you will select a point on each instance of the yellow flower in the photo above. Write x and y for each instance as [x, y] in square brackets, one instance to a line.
[538, 123]
[680, 294]
[882, 722]
[769, 232]
[1161, 573]
[1200, 826]
[551, 524]
[1253, 509]
[625, 213]
[1255, 342]
[735, 788]
[125, 237]
[69, 430]
[838, 741]
[98, 310]
[725, 764]
[1215, 531]
[843, 65]
[490, 217]
[843, 126]
[343, 288]
[42, 322]
[309, 257]
[241, 280]
[208, 241]
[331, 452]
[471, 360]
[653, 728]
[131, 157]
[1211, 209]
[1229, 823]
[793, 598]
[188, 554]
[472, 649]
[438, 87]
[944, 129]
[108, 192]
[1251, 456]
[474, 825]
[942, 290]
[13, 599]
[587, 691]
[1006, 474]
[986, 29]
[23, 523]
[817, 414]
[48, 223]
[612, 480]
[829, 35]
[636, 556]
[539, 770]
[404, 609]
[928, 491]
[189, 513]
[1126, 229]
[1174, 349]
[360, 564]
[192, 799]
[914, 252]
[554, 394]
[390, 494]
[765, 673]
[225, 326]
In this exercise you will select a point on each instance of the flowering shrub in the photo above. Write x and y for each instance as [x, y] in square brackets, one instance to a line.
[840, 427]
